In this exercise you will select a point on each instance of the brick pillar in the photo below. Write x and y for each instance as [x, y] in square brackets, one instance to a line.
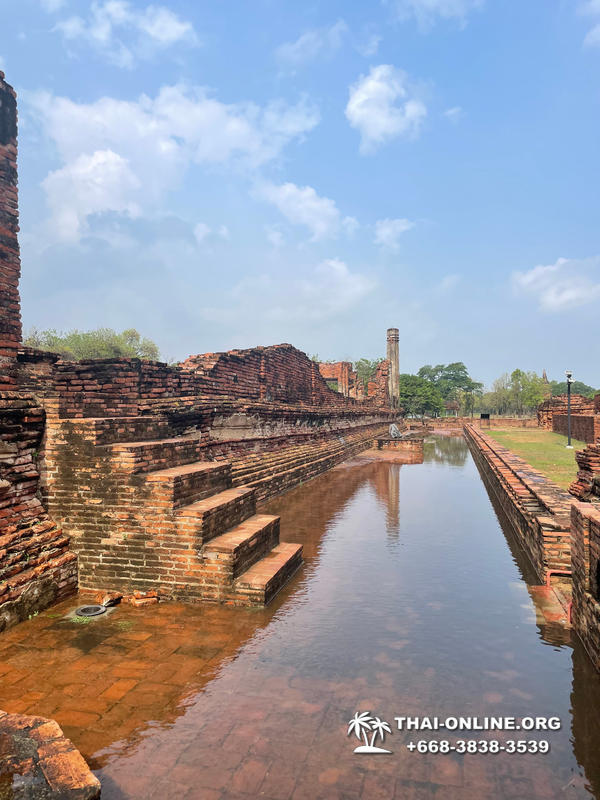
[10, 264]
[393, 337]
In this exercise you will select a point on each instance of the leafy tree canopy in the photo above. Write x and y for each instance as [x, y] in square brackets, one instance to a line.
[451, 380]
[577, 387]
[102, 343]
[419, 396]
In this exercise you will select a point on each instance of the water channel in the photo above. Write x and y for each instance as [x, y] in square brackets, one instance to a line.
[413, 601]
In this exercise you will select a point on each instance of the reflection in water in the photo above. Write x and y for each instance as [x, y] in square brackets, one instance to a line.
[424, 612]
[450, 450]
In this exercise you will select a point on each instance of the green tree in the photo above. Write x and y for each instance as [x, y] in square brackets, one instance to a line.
[366, 369]
[577, 387]
[450, 379]
[419, 396]
[78, 345]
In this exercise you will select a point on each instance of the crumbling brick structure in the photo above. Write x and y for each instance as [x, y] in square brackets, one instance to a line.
[585, 557]
[558, 405]
[10, 265]
[341, 374]
[36, 564]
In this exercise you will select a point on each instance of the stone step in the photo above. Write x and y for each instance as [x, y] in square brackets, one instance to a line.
[229, 555]
[259, 584]
[187, 484]
[214, 515]
[290, 459]
[148, 456]
[275, 482]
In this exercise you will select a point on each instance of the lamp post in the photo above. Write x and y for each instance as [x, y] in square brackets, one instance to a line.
[569, 375]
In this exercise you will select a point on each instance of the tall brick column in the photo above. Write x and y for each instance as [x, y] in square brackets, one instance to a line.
[393, 337]
[10, 263]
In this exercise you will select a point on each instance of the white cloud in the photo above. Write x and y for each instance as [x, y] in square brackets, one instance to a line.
[102, 181]
[453, 114]
[350, 225]
[567, 284]
[146, 31]
[591, 8]
[301, 205]
[592, 38]
[203, 232]
[274, 237]
[426, 12]
[327, 291]
[370, 47]
[389, 231]
[381, 109]
[312, 45]
[158, 139]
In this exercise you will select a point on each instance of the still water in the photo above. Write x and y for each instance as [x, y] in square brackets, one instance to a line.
[413, 601]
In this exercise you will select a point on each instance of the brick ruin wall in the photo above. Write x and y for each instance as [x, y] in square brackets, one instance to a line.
[128, 386]
[538, 510]
[128, 533]
[585, 549]
[378, 388]
[37, 566]
[342, 373]
[584, 427]
[558, 405]
[444, 423]
[10, 265]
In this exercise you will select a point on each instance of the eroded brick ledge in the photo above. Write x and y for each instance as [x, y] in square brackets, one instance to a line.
[537, 508]
[37, 761]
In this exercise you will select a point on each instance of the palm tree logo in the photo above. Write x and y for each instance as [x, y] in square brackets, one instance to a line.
[362, 724]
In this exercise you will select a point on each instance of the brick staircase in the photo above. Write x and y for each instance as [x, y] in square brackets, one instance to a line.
[150, 510]
[205, 524]
[274, 472]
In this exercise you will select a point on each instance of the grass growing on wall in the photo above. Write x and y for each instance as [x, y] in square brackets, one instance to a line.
[542, 449]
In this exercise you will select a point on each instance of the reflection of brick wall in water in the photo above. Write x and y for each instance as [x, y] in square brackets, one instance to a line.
[10, 265]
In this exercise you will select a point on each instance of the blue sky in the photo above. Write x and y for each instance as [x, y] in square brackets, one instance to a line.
[225, 175]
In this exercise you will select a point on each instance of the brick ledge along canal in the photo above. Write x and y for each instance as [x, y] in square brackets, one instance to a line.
[413, 601]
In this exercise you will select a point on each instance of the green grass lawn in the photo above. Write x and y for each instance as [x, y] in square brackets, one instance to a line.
[542, 449]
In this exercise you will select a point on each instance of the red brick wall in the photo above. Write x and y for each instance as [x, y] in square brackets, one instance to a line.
[10, 265]
[125, 533]
[585, 557]
[538, 510]
[342, 372]
[558, 405]
[378, 389]
[126, 386]
[36, 565]
[494, 422]
[587, 484]
[584, 427]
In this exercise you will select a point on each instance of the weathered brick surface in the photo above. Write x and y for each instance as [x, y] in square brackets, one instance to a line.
[558, 405]
[584, 427]
[10, 265]
[587, 484]
[142, 512]
[449, 423]
[36, 760]
[538, 510]
[585, 555]
[36, 564]
[411, 451]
